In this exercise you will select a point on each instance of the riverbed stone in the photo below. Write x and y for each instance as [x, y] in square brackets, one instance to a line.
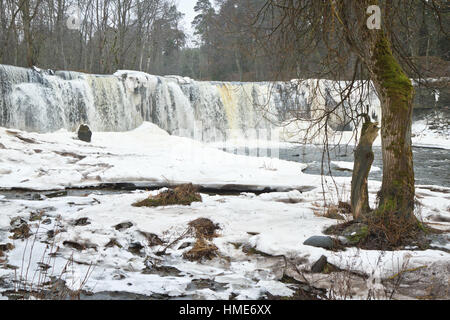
[123, 226]
[319, 265]
[84, 133]
[320, 242]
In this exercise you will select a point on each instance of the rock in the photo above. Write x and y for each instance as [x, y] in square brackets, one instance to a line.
[320, 242]
[57, 194]
[36, 197]
[43, 266]
[152, 239]
[319, 265]
[123, 226]
[82, 222]
[74, 245]
[113, 243]
[84, 133]
[135, 248]
[164, 271]
[355, 232]
[199, 284]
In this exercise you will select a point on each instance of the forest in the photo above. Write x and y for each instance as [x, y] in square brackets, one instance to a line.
[230, 43]
[265, 150]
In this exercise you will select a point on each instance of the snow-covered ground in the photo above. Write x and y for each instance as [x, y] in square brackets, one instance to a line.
[348, 166]
[146, 155]
[296, 132]
[423, 137]
[275, 223]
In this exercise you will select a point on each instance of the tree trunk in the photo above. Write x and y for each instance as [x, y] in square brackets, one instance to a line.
[25, 10]
[396, 93]
[363, 162]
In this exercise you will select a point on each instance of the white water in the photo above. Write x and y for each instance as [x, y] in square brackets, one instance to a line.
[35, 100]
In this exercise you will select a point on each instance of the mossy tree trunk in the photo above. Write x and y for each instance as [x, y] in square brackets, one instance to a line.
[396, 93]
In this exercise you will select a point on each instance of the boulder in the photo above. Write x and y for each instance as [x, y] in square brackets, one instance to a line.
[84, 133]
[319, 265]
[320, 242]
[123, 226]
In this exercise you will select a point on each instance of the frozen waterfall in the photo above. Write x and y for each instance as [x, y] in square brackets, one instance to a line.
[44, 101]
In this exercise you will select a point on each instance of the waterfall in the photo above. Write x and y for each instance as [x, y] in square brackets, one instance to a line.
[45, 101]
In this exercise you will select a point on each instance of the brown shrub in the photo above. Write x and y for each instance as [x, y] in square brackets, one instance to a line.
[182, 195]
[390, 231]
[204, 228]
[202, 250]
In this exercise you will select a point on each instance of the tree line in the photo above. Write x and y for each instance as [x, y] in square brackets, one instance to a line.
[106, 35]
[232, 39]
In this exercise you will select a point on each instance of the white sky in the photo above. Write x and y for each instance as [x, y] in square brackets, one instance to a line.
[187, 7]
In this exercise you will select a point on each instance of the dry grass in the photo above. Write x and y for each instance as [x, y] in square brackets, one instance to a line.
[44, 283]
[181, 195]
[202, 250]
[204, 230]
[387, 231]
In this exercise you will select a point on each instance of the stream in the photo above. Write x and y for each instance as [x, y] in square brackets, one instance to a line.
[431, 165]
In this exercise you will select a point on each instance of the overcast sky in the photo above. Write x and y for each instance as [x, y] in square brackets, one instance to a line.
[187, 7]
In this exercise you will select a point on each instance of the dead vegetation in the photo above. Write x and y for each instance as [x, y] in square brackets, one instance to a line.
[182, 195]
[383, 231]
[204, 231]
[387, 231]
[202, 249]
[204, 228]
[333, 211]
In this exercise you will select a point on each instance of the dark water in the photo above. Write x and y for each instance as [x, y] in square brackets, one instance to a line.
[431, 166]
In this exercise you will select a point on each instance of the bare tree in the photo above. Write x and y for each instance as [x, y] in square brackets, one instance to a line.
[338, 30]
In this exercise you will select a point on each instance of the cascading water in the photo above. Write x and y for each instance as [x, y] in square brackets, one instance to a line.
[43, 101]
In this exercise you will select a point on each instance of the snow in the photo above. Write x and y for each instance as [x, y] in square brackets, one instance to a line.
[273, 227]
[423, 137]
[276, 223]
[346, 165]
[146, 155]
[296, 132]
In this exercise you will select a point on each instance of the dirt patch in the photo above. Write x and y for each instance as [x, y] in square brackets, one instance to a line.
[20, 137]
[80, 246]
[70, 154]
[181, 195]
[113, 243]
